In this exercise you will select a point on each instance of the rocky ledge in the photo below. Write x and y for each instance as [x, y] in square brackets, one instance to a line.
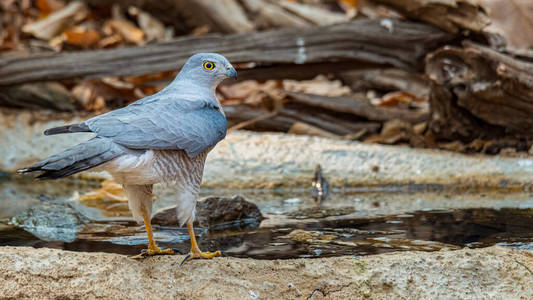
[259, 160]
[494, 272]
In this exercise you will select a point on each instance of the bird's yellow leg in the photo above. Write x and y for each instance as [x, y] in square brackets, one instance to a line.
[152, 246]
[195, 251]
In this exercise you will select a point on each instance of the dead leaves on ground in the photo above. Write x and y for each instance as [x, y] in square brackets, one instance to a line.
[255, 93]
[74, 25]
[268, 95]
[114, 92]
[56, 22]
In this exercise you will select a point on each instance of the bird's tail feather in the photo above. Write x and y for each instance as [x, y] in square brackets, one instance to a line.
[79, 158]
[67, 129]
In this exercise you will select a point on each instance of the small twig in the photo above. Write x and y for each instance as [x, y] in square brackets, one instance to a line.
[252, 121]
[523, 265]
[325, 293]
[278, 106]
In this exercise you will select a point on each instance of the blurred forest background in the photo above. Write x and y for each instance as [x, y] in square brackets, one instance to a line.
[448, 74]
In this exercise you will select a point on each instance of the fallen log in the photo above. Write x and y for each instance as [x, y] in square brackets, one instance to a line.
[241, 113]
[387, 79]
[287, 117]
[450, 15]
[357, 41]
[330, 123]
[358, 107]
[479, 92]
[50, 95]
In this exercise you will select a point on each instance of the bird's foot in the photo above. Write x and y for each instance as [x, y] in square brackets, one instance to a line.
[154, 250]
[197, 254]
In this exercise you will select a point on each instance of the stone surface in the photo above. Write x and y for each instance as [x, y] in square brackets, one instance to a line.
[215, 212]
[258, 160]
[50, 221]
[490, 273]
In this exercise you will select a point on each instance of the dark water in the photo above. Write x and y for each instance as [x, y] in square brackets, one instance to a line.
[48, 214]
[420, 230]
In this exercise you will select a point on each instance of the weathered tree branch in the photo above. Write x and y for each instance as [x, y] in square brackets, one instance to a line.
[360, 108]
[387, 79]
[284, 120]
[450, 15]
[361, 40]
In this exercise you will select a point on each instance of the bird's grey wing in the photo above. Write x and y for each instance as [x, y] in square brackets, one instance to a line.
[82, 127]
[193, 126]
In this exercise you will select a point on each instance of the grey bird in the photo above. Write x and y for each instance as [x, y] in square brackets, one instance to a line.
[163, 138]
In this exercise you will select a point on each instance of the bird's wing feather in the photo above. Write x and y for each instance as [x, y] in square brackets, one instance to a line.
[193, 126]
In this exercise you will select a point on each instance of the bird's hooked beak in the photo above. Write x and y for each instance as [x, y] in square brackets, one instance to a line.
[231, 72]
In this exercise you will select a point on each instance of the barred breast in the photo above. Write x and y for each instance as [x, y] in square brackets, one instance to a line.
[157, 166]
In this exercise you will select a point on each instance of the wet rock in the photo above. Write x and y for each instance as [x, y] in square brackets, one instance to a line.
[50, 222]
[494, 272]
[309, 236]
[321, 212]
[216, 212]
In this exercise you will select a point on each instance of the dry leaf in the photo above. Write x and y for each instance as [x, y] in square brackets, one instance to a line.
[397, 131]
[124, 27]
[301, 128]
[240, 90]
[373, 10]
[152, 27]
[48, 6]
[117, 83]
[201, 30]
[156, 77]
[109, 190]
[320, 85]
[253, 93]
[313, 14]
[349, 7]
[128, 31]
[455, 146]
[56, 22]
[96, 95]
[396, 98]
[83, 38]
[110, 41]
[513, 19]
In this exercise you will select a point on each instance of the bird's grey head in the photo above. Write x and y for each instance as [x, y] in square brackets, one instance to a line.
[207, 68]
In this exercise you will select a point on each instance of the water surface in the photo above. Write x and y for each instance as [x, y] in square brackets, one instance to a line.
[361, 222]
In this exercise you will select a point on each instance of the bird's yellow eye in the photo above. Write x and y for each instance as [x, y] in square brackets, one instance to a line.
[209, 65]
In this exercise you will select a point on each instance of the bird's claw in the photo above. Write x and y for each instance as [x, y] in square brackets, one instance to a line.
[200, 255]
[152, 252]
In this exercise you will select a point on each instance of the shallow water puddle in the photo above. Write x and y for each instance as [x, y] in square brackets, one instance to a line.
[43, 214]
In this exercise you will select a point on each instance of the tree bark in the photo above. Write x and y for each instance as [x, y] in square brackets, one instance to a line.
[479, 92]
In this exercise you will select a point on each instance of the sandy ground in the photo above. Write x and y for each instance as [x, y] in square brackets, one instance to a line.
[490, 273]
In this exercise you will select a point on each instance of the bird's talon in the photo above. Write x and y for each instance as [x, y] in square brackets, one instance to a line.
[201, 255]
[187, 257]
[154, 251]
